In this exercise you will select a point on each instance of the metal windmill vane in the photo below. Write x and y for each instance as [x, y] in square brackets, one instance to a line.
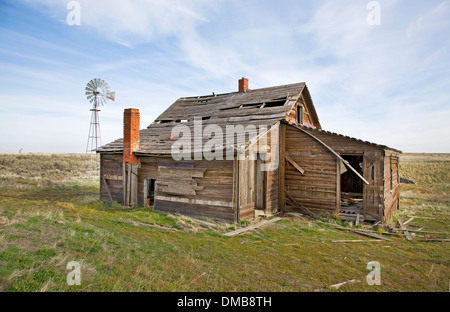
[98, 93]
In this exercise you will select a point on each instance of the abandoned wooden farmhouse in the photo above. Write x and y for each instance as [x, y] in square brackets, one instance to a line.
[312, 169]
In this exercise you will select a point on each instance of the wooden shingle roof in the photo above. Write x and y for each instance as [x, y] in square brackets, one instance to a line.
[259, 107]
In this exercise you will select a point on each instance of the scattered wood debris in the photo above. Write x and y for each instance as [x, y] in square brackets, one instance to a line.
[162, 227]
[339, 285]
[251, 227]
[352, 199]
[422, 231]
[360, 232]
[404, 229]
[409, 220]
[355, 240]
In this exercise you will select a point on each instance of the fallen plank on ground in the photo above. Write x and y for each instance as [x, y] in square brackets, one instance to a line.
[339, 285]
[360, 232]
[355, 240]
[146, 224]
[409, 220]
[405, 230]
[251, 227]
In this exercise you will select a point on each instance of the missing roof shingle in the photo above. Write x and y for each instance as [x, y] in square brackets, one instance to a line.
[275, 103]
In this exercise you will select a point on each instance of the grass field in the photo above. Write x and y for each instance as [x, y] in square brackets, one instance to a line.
[50, 215]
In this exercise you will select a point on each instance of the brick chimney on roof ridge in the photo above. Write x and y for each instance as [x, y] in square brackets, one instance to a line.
[243, 85]
[131, 124]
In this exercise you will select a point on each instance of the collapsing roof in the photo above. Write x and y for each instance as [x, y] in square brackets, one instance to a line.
[259, 107]
[312, 131]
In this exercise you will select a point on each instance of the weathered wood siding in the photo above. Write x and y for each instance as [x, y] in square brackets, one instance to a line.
[373, 170]
[316, 188]
[292, 116]
[391, 185]
[246, 188]
[198, 188]
[272, 176]
[111, 179]
[272, 189]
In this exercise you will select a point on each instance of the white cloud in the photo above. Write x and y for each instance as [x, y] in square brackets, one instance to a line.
[133, 22]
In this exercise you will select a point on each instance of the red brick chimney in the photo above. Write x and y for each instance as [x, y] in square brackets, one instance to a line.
[130, 135]
[243, 85]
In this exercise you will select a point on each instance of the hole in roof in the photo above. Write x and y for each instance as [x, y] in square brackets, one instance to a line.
[251, 105]
[275, 103]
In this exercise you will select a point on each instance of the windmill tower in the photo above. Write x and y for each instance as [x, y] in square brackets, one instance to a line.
[98, 93]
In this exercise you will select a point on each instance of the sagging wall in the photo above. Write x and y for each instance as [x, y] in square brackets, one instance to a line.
[198, 188]
[316, 188]
[373, 170]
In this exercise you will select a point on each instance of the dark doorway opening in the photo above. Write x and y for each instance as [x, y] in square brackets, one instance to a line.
[351, 185]
[350, 182]
[150, 191]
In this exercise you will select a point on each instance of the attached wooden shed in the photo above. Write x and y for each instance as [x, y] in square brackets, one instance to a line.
[341, 174]
[323, 171]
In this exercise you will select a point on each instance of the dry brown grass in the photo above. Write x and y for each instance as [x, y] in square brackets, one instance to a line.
[431, 172]
[31, 171]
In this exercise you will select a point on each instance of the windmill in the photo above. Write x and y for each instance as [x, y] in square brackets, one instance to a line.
[98, 93]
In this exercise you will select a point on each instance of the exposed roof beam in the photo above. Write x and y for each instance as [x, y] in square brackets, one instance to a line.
[336, 154]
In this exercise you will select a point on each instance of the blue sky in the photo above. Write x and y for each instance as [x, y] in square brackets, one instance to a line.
[387, 83]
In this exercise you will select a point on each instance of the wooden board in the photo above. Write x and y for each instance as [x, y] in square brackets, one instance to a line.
[403, 227]
[252, 227]
[293, 163]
